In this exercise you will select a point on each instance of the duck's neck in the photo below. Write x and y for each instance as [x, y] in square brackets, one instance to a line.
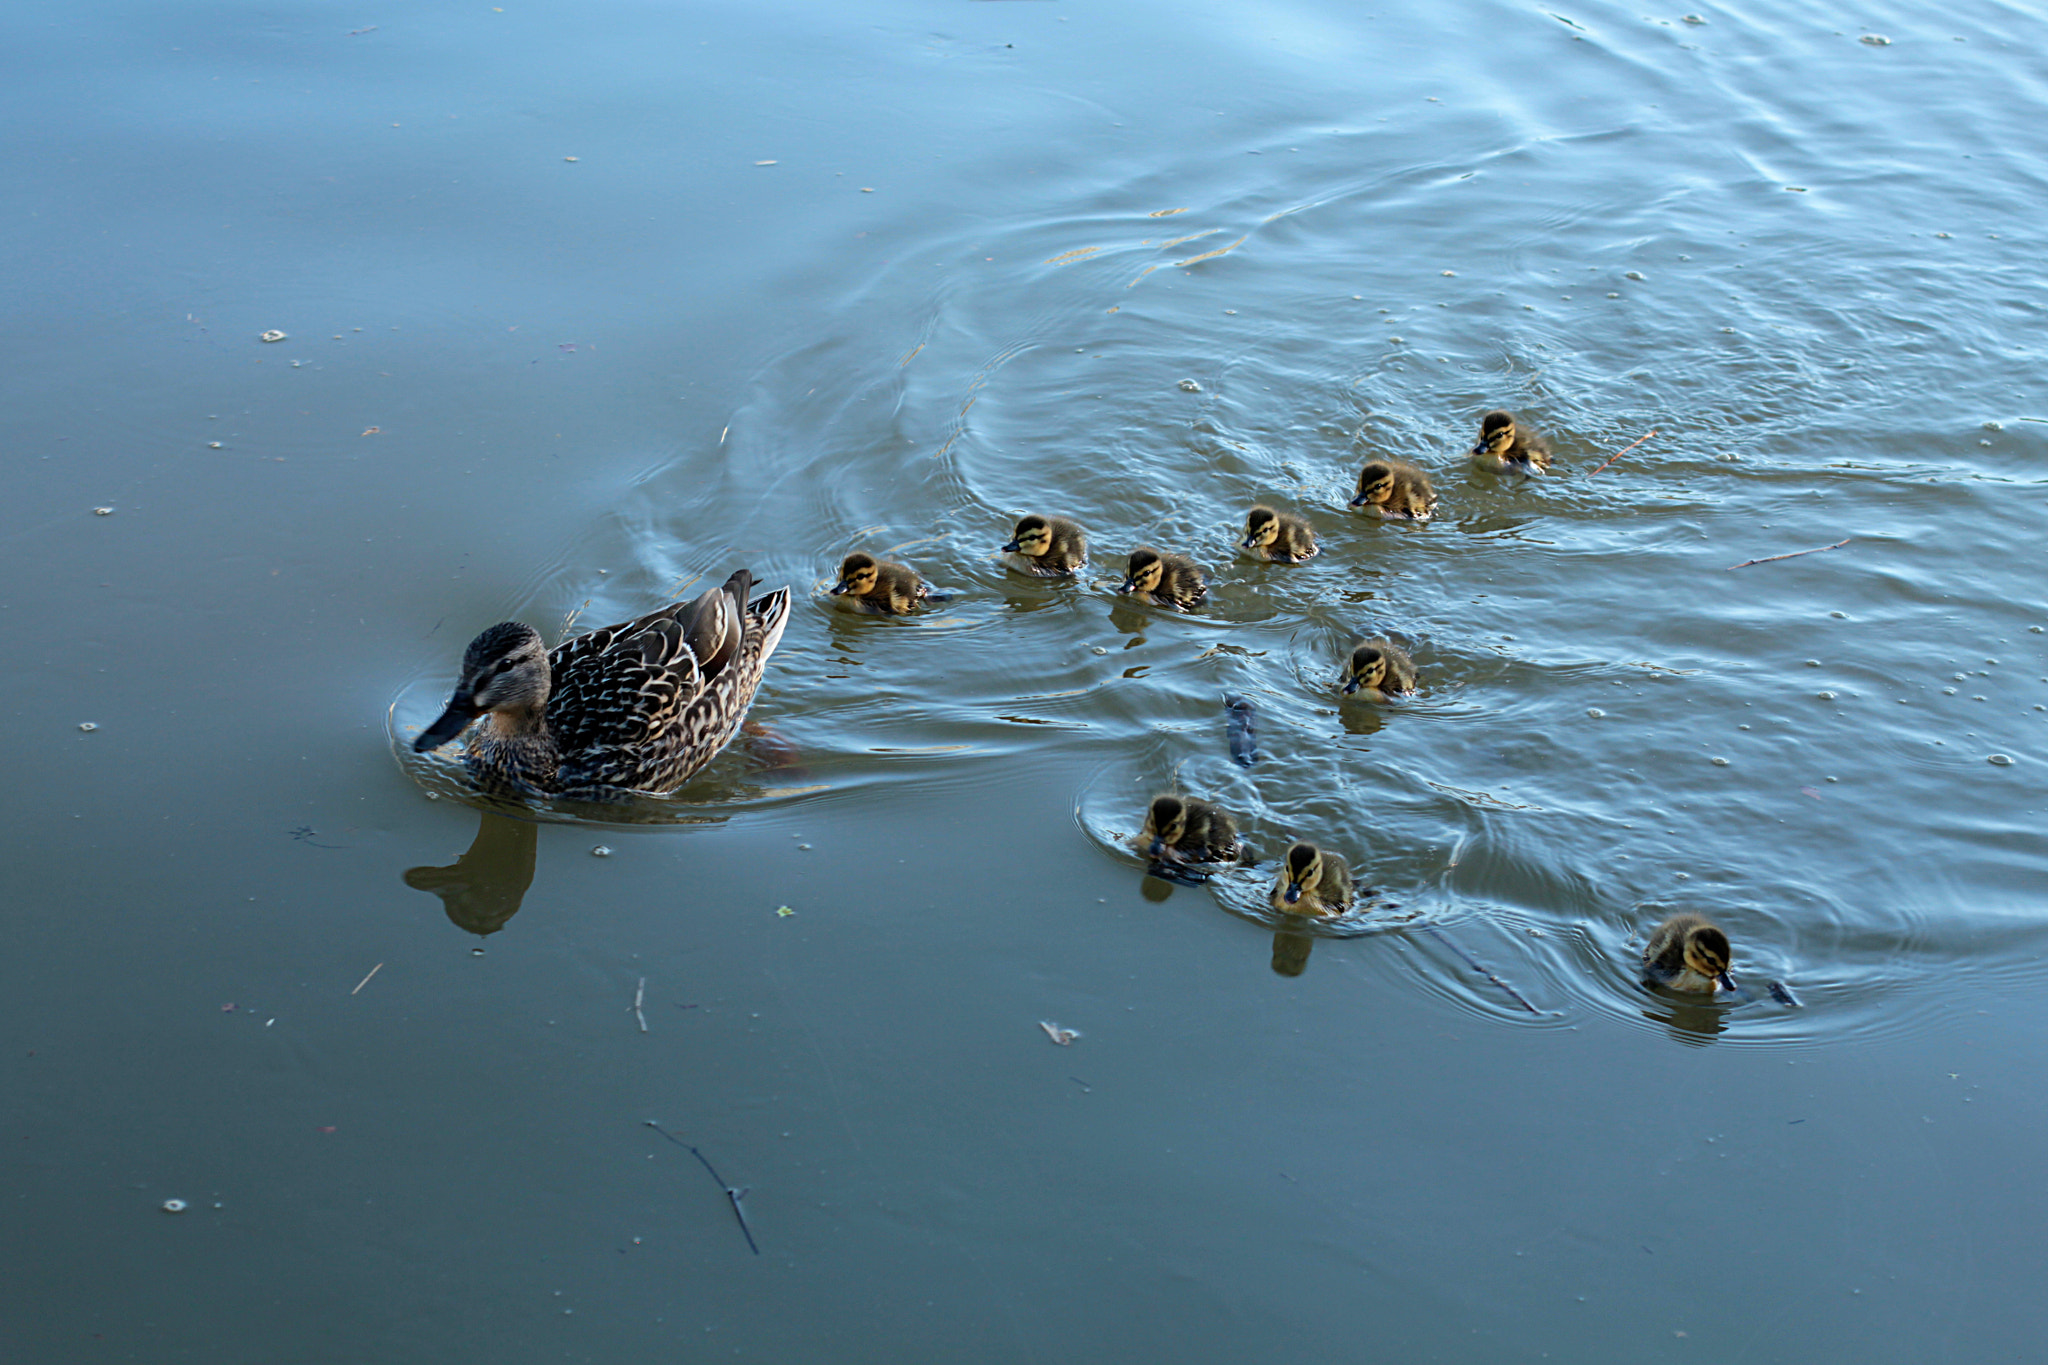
[516, 745]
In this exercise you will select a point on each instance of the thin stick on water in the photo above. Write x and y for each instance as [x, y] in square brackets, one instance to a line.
[1818, 549]
[640, 995]
[732, 1195]
[366, 980]
[1626, 449]
[1444, 939]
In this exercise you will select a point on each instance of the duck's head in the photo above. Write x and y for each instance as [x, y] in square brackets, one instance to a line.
[1261, 528]
[857, 575]
[1144, 573]
[1496, 435]
[1302, 869]
[504, 669]
[1707, 952]
[1375, 483]
[1367, 669]
[1166, 821]
[1032, 537]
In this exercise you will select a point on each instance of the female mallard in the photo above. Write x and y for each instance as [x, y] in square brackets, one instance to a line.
[1506, 444]
[1047, 547]
[1397, 491]
[1380, 669]
[1311, 882]
[1164, 580]
[1688, 953]
[1281, 537]
[878, 587]
[639, 706]
[1188, 829]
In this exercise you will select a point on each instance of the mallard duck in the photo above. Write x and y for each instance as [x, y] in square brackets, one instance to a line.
[1311, 882]
[1397, 491]
[1047, 547]
[877, 586]
[1187, 829]
[639, 706]
[1282, 537]
[1688, 953]
[1380, 669]
[1506, 444]
[1164, 580]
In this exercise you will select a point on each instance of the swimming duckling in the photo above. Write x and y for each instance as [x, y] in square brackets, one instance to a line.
[1164, 580]
[1047, 547]
[878, 587]
[1282, 537]
[1187, 829]
[1397, 491]
[1311, 882]
[1379, 669]
[1688, 953]
[1507, 445]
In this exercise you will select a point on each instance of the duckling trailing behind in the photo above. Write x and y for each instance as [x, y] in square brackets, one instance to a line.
[1506, 444]
[1311, 882]
[1047, 547]
[1396, 491]
[1282, 537]
[1379, 669]
[1688, 953]
[1164, 580]
[878, 587]
[1187, 829]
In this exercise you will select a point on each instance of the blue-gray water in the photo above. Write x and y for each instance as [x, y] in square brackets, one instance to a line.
[583, 302]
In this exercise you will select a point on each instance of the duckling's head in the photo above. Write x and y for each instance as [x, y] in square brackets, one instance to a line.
[1166, 822]
[1303, 867]
[1261, 527]
[1144, 573]
[1707, 952]
[1375, 484]
[504, 669]
[1032, 537]
[1496, 434]
[1367, 669]
[857, 575]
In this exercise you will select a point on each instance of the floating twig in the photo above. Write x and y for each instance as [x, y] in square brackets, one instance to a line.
[1444, 939]
[732, 1195]
[1818, 549]
[640, 995]
[366, 980]
[1626, 449]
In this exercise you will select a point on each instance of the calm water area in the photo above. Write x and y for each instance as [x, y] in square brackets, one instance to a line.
[584, 303]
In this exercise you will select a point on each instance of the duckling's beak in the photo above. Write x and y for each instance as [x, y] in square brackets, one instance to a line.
[1158, 846]
[1130, 586]
[842, 587]
[1350, 685]
[1293, 893]
[1249, 543]
[1013, 547]
[1479, 449]
[1727, 982]
[1358, 501]
[461, 711]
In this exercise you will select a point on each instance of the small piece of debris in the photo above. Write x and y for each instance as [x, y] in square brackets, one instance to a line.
[783, 912]
[1795, 189]
[1875, 40]
[1633, 275]
[1720, 762]
[569, 158]
[273, 335]
[213, 445]
[2000, 760]
[867, 189]
[1595, 713]
[103, 511]
[1060, 1036]
[1190, 386]
[90, 726]
[601, 851]
[1450, 272]
[373, 431]
[1694, 19]
[764, 163]
[174, 1206]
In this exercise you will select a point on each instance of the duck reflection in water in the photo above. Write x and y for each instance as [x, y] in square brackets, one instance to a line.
[484, 888]
[1290, 952]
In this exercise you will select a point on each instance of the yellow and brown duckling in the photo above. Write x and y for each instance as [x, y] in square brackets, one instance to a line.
[1395, 490]
[878, 587]
[1311, 882]
[1506, 444]
[1688, 953]
[1164, 580]
[1281, 537]
[1047, 547]
[1187, 829]
[1379, 669]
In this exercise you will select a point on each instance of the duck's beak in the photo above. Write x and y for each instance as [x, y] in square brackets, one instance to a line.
[1248, 543]
[1130, 586]
[1726, 982]
[842, 587]
[1158, 846]
[1358, 501]
[1012, 547]
[1479, 449]
[1293, 893]
[1350, 686]
[461, 711]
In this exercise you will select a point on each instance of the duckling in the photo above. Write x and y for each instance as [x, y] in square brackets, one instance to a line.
[1282, 537]
[1506, 444]
[1164, 580]
[1688, 953]
[1187, 829]
[1397, 491]
[1311, 882]
[1380, 669]
[879, 587]
[1047, 547]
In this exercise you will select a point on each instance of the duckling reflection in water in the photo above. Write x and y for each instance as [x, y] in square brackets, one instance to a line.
[1164, 580]
[1688, 953]
[1311, 882]
[1280, 537]
[1187, 829]
[1506, 444]
[1396, 491]
[878, 587]
[1047, 547]
[1379, 669]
